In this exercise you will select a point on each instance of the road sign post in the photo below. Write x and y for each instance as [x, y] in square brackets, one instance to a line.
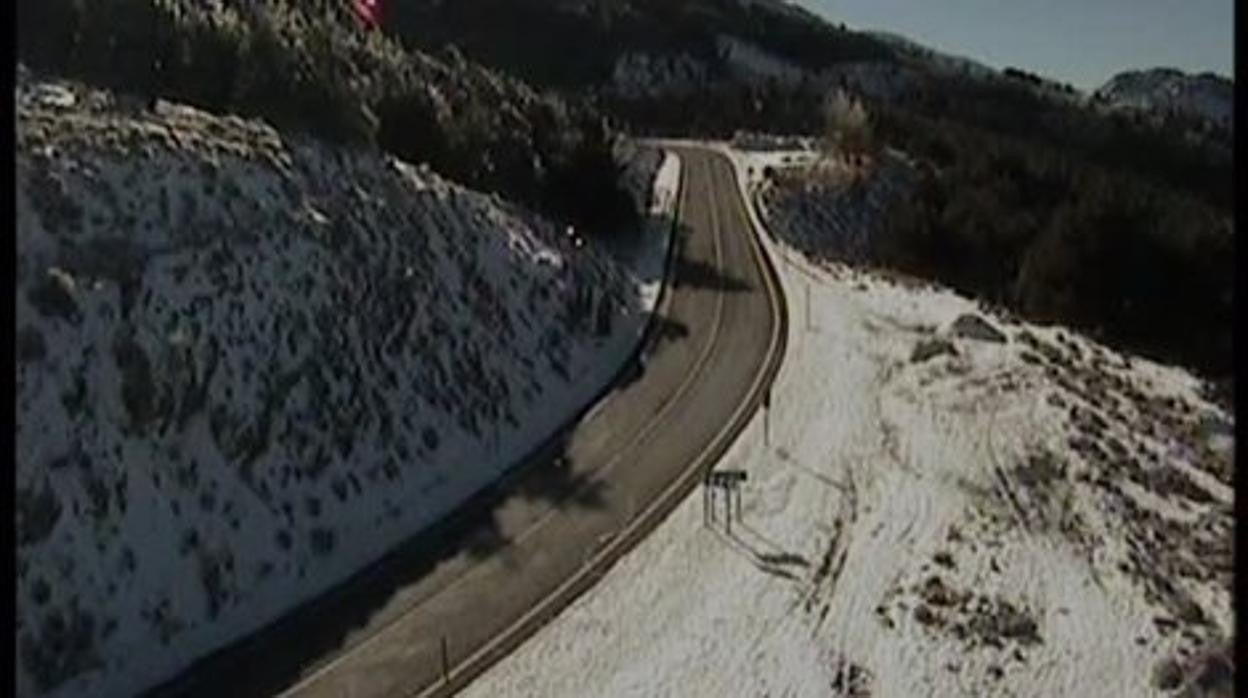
[730, 482]
[807, 306]
[708, 502]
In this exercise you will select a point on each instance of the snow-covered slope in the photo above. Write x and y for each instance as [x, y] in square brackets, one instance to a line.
[1035, 516]
[249, 364]
[1166, 90]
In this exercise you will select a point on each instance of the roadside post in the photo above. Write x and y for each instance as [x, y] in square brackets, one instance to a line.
[808, 323]
[767, 418]
[730, 482]
[708, 500]
[738, 488]
[446, 662]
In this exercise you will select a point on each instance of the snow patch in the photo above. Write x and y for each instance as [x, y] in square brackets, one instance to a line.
[250, 364]
[955, 527]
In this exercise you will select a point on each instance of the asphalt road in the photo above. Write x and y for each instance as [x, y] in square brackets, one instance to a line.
[495, 575]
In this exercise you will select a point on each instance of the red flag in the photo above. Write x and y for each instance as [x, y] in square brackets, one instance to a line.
[369, 11]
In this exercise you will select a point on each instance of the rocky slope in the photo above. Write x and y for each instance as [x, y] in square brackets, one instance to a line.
[249, 364]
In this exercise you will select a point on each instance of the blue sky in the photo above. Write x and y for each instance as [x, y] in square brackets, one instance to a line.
[1083, 42]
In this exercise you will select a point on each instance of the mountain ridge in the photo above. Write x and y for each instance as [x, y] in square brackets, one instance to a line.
[1167, 90]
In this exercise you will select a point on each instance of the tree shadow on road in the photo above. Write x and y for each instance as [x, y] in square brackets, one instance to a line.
[277, 656]
[686, 272]
[557, 483]
[698, 274]
[669, 329]
[663, 329]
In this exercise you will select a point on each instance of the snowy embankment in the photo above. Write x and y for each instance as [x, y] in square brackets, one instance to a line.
[946, 506]
[249, 364]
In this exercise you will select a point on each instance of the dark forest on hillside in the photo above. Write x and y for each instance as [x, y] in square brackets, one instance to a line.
[1058, 238]
[1066, 212]
[573, 44]
[310, 67]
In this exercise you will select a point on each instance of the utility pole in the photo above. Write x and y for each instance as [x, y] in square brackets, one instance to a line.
[708, 499]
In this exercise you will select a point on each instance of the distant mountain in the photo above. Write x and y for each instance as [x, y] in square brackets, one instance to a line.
[633, 46]
[949, 64]
[1170, 91]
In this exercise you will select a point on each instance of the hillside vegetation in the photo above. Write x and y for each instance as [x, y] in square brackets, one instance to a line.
[1027, 195]
[249, 363]
[309, 67]
[1171, 92]
[1161, 150]
[1051, 237]
[599, 32]
[1062, 239]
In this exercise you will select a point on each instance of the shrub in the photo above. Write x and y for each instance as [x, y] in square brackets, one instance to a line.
[1061, 239]
[309, 67]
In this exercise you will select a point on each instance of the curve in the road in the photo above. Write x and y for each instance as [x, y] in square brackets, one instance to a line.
[685, 481]
[630, 461]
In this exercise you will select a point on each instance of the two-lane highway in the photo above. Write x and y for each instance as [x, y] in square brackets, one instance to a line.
[631, 460]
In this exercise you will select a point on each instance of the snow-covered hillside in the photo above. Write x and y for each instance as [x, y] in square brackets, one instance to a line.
[948, 503]
[249, 364]
[1166, 90]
